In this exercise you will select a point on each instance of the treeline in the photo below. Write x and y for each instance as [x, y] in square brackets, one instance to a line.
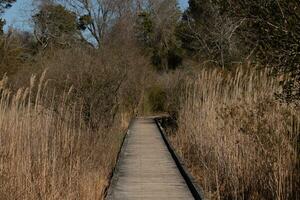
[225, 33]
[220, 33]
[109, 51]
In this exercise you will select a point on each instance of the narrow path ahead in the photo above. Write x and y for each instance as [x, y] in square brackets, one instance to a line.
[146, 169]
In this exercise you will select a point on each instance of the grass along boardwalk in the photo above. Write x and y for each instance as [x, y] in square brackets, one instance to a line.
[146, 169]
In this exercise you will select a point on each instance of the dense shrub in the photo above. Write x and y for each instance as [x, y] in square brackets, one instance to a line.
[11, 53]
[157, 99]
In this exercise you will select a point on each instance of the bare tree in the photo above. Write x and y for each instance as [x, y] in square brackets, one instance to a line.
[96, 17]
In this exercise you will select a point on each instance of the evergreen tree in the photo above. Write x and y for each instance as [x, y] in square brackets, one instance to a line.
[156, 33]
[272, 32]
[265, 32]
[55, 24]
[206, 33]
[2, 23]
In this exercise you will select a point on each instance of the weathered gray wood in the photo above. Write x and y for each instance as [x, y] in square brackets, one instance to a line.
[146, 169]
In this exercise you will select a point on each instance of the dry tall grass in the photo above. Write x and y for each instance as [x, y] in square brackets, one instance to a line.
[49, 153]
[237, 139]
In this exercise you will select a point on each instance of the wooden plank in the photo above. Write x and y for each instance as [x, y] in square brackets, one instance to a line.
[146, 168]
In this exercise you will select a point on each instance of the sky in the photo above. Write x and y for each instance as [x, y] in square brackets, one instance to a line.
[19, 15]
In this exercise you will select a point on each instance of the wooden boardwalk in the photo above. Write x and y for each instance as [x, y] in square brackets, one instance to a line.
[146, 169]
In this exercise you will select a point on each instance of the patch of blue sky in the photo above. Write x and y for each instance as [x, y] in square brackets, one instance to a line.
[19, 16]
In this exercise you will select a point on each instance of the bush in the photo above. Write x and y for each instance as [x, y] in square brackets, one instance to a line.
[10, 54]
[157, 99]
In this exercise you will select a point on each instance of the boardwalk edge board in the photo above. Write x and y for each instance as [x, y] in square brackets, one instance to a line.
[113, 179]
[195, 189]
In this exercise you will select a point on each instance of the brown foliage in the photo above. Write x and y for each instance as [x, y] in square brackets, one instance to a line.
[237, 139]
[49, 153]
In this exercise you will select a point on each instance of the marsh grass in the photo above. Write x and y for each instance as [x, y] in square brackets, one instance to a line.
[239, 141]
[49, 152]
